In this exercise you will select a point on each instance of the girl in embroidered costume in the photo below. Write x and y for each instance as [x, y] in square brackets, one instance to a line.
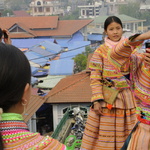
[109, 124]
[15, 90]
[139, 67]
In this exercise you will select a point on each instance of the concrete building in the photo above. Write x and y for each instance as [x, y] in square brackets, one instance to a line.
[45, 8]
[130, 24]
[99, 8]
[1, 6]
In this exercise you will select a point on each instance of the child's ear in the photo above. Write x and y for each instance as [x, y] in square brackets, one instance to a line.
[27, 92]
[27, 87]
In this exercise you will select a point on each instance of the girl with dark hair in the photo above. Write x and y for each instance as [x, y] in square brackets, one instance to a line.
[139, 67]
[15, 90]
[110, 120]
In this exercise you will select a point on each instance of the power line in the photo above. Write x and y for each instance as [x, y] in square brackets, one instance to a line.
[62, 52]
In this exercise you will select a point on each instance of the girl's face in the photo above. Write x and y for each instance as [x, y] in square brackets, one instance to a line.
[114, 31]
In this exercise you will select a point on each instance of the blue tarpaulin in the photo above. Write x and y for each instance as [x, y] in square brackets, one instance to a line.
[63, 42]
[95, 37]
[49, 46]
[61, 67]
[74, 49]
[36, 58]
[34, 70]
[42, 52]
[27, 43]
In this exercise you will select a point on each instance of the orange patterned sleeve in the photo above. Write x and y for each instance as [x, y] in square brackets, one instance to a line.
[121, 53]
[95, 66]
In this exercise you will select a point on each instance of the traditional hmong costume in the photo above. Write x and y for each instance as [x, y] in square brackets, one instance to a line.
[140, 80]
[16, 136]
[109, 131]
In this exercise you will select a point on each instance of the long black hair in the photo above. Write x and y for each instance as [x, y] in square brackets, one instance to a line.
[15, 73]
[111, 19]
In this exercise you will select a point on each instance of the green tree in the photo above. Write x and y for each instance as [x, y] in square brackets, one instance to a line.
[80, 63]
[145, 15]
[71, 16]
[6, 11]
[81, 60]
[131, 9]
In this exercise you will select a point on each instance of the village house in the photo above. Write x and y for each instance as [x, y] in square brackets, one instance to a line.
[130, 24]
[71, 91]
[43, 27]
[65, 34]
[100, 8]
[45, 8]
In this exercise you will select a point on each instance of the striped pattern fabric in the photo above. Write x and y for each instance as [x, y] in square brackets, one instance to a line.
[108, 131]
[140, 139]
[140, 83]
[16, 136]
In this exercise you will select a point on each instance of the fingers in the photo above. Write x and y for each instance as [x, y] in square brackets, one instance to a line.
[147, 50]
[147, 56]
[7, 39]
[147, 61]
[97, 108]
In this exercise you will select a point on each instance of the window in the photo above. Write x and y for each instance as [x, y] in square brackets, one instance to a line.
[38, 3]
[35, 10]
[111, 8]
[83, 12]
[47, 9]
[40, 9]
[17, 29]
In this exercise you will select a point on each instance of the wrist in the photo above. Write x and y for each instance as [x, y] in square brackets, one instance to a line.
[97, 101]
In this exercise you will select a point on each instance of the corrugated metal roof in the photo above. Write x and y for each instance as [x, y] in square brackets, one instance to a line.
[63, 42]
[77, 37]
[50, 81]
[28, 43]
[95, 37]
[36, 58]
[42, 52]
[72, 89]
[61, 67]
[49, 46]
[44, 26]
[34, 70]
[124, 18]
[74, 48]
[34, 80]
[34, 104]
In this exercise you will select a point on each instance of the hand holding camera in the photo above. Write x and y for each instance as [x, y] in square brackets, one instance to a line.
[6, 38]
[147, 53]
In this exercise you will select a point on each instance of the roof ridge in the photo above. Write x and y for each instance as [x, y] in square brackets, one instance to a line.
[67, 86]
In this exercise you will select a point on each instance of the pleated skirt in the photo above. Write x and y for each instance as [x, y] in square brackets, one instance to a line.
[108, 131]
[140, 139]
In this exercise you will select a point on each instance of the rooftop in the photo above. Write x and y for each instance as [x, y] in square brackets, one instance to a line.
[72, 89]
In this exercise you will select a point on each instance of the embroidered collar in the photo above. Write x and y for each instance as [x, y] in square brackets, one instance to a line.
[12, 121]
[11, 116]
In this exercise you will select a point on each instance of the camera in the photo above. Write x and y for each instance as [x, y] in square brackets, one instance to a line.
[147, 45]
[5, 34]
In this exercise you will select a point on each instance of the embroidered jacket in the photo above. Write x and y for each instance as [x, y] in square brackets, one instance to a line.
[16, 135]
[122, 55]
[101, 68]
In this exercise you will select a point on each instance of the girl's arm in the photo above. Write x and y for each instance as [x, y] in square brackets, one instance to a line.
[95, 66]
[121, 53]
